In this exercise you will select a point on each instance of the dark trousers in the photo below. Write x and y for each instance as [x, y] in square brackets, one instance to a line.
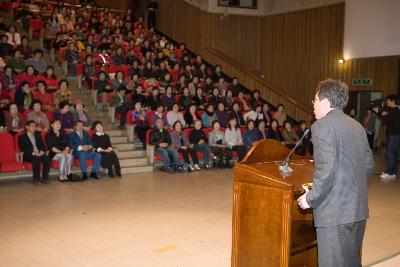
[371, 137]
[340, 245]
[122, 110]
[393, 145]
[141, 133]
[38, 163]
[185, 154]
[222, 152]
[241, 151]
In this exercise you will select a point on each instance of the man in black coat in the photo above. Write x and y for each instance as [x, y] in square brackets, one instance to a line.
[31, 145]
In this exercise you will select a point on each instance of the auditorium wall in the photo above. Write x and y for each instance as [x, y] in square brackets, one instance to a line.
[293, 50]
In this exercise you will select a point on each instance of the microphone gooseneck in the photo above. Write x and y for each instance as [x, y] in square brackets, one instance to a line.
[284, 168]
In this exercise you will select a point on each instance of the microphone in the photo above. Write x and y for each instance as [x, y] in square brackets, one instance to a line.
[284, 168]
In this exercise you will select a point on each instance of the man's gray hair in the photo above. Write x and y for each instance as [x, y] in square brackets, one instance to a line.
[336, 91]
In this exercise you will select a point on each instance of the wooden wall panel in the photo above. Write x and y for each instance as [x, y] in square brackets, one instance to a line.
[294, 51]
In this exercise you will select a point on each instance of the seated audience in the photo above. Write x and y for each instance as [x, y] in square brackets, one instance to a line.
[198, 140]
[168, 100]
[58, 145]
[14, 120]
[17, 63]
[83, 150]
[237, 114]
[216, 140]
[222, 115]
[138, 96]
[102, 144]
[80, 114]
[50, 79]
[8, 79]
[181, 144]
[38, 116]
[233, 138]
[43, 96]
[261, 131]
[250, 135]
[242, 102]
[306, 143]
[280, 114]
[274, 132]
[186, 98]
[27, 76]
[289, 136]
[89, 72]
[153, 100]
[160, 138]
[139, 119]
[159, 114]
[174, 115]
[5, 97]
[118, 81]
[64, 115]
[209, 116]
[266, 114]
[72, 58]
[63, 93]
[214, 99]
[122, 105]
[14, 38]
[199, 99]
[24, 97]
[228, 99]
[34, 151]
[37, 62]
[6, 49]
[191, 115]
[25, 48]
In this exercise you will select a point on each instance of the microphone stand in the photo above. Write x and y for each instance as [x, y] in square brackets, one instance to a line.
[284, 168]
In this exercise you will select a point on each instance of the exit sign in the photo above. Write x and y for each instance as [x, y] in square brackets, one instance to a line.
[362, 82]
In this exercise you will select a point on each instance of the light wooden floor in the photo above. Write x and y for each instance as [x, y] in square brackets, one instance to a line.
[148, 220]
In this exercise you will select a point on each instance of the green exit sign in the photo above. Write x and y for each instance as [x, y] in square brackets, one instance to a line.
[362, 82]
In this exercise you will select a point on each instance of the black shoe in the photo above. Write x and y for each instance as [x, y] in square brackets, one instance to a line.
[36, 182]
[69, 176]
[170, 170]
[221, 164]
[94, 175]
[111, 175]
[228, 165]
[84, 176]
[45, 181]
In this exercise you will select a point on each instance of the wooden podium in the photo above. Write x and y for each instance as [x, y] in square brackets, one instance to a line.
[268, 228]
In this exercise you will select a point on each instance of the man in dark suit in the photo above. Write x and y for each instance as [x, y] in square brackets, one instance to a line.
[343, 163]
[83, 150]
[31, 145]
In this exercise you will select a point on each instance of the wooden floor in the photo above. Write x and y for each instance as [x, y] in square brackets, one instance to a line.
[148, 220]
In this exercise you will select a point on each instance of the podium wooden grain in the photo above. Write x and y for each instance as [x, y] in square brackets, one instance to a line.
[268, 228]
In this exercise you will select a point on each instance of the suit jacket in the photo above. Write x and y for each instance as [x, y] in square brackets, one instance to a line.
[343, 163]
[26, 146]
[75, 142]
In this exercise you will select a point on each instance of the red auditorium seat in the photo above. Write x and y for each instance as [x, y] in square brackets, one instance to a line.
[8, 159]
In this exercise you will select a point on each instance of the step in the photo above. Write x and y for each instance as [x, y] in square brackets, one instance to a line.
[120, 140]
[113, 133]
[123, 147]
[137, 169]
[126, 163]
[131, 154]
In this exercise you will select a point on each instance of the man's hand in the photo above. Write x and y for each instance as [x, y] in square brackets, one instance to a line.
[302, 201]
[201, 141]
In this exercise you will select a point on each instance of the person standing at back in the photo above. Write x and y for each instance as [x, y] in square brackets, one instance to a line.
[343, 163]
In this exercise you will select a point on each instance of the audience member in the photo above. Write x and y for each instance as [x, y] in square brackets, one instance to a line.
[280, 114]
[174, 115]
[209, 116]
[38, 116]
[250, 135]
[274, 132]
[198, 140]
[80, 114]
[64, 115]
[14, 120]
[233, 138]
[181, 144]
[216, 140]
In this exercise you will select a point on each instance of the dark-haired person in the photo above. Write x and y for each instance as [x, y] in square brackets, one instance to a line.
[80, 114]
[343, 162]
[237, 114]
[37, 62]
[186, 98]
[235, 87]
[63, 93]
[168, 100]
[24, 96]
[391, 117]
[122, 105]
[118, 81]
[58, 145]
[72, 58]
[289, 136]
[14, 38]
[267, 115]
[261, 131]
[209, 116]
[50, 79]
[306, 143]
[214, 99]
[27, 76]
[153, 100]
[160, 138]
[8, 79]
[198, 141]
[249, 135]
[181, 144]
[218, 145]
[34, 151]
[191, 115]
[38, 116]
[83, 150]
[25, 48]
[274, 132]
[233, 138]
[89, 72]
[222, 115]
[14, 120]
[174, 115]
[6, 50]
[280, 114]
[102, 144]
[17, 62]
[64, 115]
[43, 96]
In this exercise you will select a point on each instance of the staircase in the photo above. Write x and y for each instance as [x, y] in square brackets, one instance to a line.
[133, 158]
